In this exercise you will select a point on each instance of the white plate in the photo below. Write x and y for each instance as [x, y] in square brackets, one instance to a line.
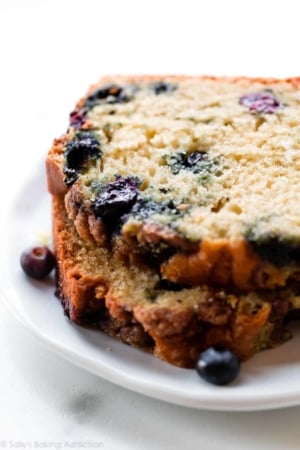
[269, 380]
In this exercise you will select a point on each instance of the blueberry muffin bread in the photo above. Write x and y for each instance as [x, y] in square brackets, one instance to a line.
[172, 321]
[195, 177]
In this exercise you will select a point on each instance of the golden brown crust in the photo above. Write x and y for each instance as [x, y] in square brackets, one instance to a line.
[96, 288]
[294, 81]
[54, 174]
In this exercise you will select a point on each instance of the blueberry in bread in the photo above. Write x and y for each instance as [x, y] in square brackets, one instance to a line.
[196, 177]
[172, 321]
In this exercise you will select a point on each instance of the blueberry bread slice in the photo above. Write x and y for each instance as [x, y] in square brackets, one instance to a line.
[195, 176]
[172, 321]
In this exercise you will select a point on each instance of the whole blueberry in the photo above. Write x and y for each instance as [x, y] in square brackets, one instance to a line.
[37, 262]
[218, 365]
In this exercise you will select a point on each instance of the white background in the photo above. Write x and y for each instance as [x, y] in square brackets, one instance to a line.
[50, 51]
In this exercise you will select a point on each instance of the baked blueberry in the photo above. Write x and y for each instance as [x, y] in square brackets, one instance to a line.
[127, 93]
[77, 118]
[163, 87]
[84, 146]
[193, 159]
[264, 102]
[195, 162]
[81, 149]
[145, 208]
[106, 91]
[218, 365]
[274, 249]
[37, 262]
[111, 93]
[116, 198]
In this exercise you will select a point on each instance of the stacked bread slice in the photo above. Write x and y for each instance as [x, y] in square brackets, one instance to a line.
[175, 213]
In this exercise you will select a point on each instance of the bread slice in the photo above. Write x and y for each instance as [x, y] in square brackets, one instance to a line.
[195, 176]
[173, 322]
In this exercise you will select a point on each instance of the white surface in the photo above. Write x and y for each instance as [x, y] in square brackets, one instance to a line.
[267, 381]
[54, 47]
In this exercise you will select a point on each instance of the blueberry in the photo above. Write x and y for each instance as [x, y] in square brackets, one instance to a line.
[160, 250]
[162, 87]
[261, 102]
[80, 149]
[194, 158]
[37, 262]
[77, 118]
[111, 93]
[194, 162]
[78, 152]
[116, 198]
[274, 248]
[217, 365]
[126, 93]
[144, 208]
[106, 91]
[102, 93]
